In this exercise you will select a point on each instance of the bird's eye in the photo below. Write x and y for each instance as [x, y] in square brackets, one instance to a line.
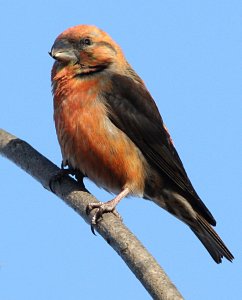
[86, 42]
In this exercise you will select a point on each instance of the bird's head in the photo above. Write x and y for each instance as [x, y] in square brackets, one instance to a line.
[86, 47]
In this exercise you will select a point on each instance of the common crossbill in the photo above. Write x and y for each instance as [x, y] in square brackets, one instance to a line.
[110, 130]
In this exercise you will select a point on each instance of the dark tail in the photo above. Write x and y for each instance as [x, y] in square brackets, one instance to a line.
[211, 240]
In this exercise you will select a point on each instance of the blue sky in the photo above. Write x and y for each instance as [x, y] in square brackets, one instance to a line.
[189, 55]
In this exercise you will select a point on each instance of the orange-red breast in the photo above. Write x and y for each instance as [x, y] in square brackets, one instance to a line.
[110, 129]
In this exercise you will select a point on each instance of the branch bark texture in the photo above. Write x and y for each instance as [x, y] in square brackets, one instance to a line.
[117, 235]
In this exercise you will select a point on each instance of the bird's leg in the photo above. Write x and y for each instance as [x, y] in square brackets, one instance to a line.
[104, 207]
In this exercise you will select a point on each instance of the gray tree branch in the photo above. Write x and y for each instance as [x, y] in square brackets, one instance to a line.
[117, 235]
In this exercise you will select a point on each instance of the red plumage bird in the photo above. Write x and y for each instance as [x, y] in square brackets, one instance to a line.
[109, 129]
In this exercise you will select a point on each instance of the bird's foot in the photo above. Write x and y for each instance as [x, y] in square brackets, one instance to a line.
[102, 207]
[65, 172]
[58, 177]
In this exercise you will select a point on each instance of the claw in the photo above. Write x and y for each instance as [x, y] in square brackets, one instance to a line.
[101, 209]
[115, 212]
[104, 207]
[64, 172]
[58, 176]
[89, 208]
[93, 230]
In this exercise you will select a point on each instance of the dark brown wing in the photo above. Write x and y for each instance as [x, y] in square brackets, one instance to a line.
[132, 109]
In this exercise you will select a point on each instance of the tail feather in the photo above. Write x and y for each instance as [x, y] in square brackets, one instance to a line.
[211, 240]
[179, 207]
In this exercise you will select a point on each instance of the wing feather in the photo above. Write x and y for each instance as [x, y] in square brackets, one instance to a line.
[132, 109]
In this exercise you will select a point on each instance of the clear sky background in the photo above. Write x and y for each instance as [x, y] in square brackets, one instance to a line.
[189, 55]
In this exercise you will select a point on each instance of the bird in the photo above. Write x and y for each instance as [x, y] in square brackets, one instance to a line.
[110, 130]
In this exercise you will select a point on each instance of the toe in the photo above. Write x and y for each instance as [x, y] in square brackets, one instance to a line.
[92, 206]
[115, 212]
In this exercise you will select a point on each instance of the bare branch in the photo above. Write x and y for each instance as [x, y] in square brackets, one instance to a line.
[117, 235]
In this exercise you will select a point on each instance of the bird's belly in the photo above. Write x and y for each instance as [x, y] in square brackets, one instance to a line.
[91, 143]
